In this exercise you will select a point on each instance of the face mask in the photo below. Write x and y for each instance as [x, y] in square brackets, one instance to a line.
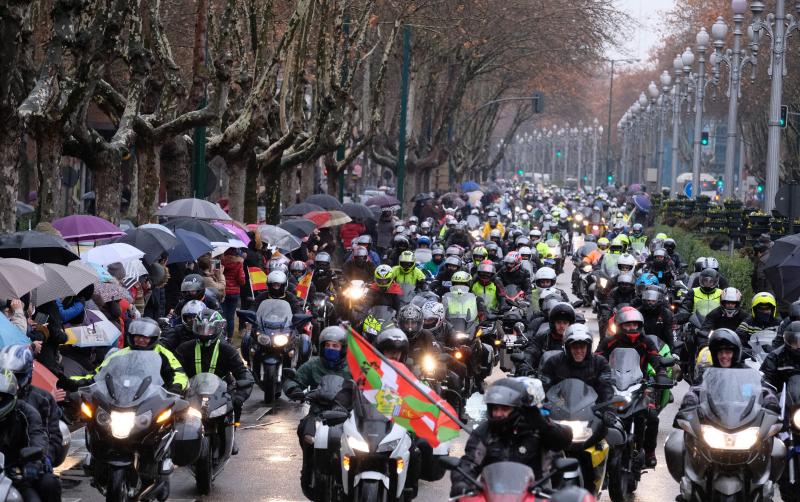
[331, 357]
[763, 316]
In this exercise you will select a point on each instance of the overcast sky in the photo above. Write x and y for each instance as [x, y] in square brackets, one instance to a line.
[648, 14]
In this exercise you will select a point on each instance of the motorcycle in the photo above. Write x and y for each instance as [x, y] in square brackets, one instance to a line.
[208, 393]
[571, 403]
[377, 318]
[131, 425]
[555, 258]
[353, 294]
[7, 477]
[760, 345]
[433, 369]
[464, 336]
[513, 321]
[323, 310]
[691, 344]
[726, 449]
[788, 483]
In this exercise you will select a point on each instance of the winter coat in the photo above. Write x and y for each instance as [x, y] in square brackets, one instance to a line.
[234, 274]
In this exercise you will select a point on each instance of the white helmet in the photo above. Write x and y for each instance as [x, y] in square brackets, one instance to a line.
[535, 390]
[545, 273]
[432, 315]
[626, 259]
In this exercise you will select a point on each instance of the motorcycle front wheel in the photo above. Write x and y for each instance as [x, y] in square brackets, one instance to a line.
[271, 386]
[369, 491]
[203, 468]
[617, 478]
[117, 488]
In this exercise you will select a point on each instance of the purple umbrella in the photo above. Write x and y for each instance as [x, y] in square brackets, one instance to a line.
[642, 202]
[85, 227]
[233, 229]
[383, 201]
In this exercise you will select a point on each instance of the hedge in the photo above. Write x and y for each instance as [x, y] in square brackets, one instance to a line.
[737, 269]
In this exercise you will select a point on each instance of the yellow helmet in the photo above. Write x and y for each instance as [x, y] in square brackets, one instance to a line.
[763, 298]
[662, 236]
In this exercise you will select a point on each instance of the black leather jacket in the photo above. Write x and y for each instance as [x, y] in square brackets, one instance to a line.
[594, 371]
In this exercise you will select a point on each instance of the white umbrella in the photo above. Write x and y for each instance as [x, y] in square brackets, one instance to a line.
[194, 208]
[158, 226]
[61, 282]
[18, 277]
[118, 252]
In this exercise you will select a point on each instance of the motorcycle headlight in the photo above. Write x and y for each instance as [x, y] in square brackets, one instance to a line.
[280, 340]
[428, 364]
[595, 227]
[219, 411]
[529, 207]
[796, 418]
[461, 336]
[580, 429]
[263, 339]
[122, 423]
[387, 447]
[354, 293]
[721, 440]
[587, 268]
[603, 282]
[357, 444]
[578, 217]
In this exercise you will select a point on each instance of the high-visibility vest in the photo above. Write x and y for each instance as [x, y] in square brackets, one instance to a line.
[705, 303]
[488, 293]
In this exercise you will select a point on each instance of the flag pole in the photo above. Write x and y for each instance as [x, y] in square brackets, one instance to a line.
[414, 382]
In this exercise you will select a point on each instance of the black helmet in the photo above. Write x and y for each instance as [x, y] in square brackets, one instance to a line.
[561, 312]
[669, 245]
[791, 338]
[506, 392]
[626, 282]
[332, 334]
[322, 262]
[8, 393]
[709, 280]
[192, 287]
[400, 242]
[209, 327]
[650, 300]
[19, 360]
[724, 338]
[410, 320]
[392, 339]
[794, 311]
[143, 327]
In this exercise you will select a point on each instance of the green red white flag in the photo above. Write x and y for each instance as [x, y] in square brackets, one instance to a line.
[396, 392]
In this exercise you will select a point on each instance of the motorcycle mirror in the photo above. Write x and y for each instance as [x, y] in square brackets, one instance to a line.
[332, 417]
[566, 464]
[31, 453]
[667, 361]
[577, 304]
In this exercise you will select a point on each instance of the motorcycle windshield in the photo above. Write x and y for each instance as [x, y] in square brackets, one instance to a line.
[625, 367]
[274, 314]
[512, 290]
[204, 384]
[761, 343]
[732, 396]
[460, 305]
[571, 399]
[130, 378]
[382, 313]
[423, 256]
[507, 478]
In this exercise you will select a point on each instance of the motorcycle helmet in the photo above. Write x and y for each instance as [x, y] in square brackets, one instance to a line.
[145, 327]
[486, 272]
[332, 358]
[626, 283]
[277, 264]
[479, 254]
[709, 280]
[763, 306]
[645, 280]
[406, 261]
[626, 263]
[492, 218]
[454, 251]
[650, 300]
[461, 278]
[794, 311]
[699, 264]
[603, 243]
[192, 287]
[495, 235]
[450, 221]
[399, 228]
[383, 276]
[425, 227]
[525, 253]
[432, 315]
[627, 317]
[19, 360]
[731, 301]
[545, 278]
[617, 245]
[712, 263]
[393, 340]
[8, 393]
[409, 319]
[522, 241]
[577, 333]
[662, 236]
[423, 241]
[535, 235]
[364, 240]
[512, 261]
[209, 327]
[660, 257]
[413, 220]
[670, 245]
[561, 312]
[724, 338]
[508, 392]
[492, 248]
[190, 311]
[298, 269]
[276, 283]
[360, 254]
[437, 253]
[322, 262]
[637, 230]
[452, 264]
[401, 243]
[791, 339]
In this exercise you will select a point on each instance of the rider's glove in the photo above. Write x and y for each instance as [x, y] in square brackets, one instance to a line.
[33, 470]
[296, 394]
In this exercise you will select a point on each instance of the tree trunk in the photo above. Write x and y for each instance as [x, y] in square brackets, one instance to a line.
[332, 178]
[175, 169]
[289, 185]
[237, 174]
[307, 178]
[107, 170]
[272, 196]
[48, 168]
[149, 183]
[132, 165]
[251, 190]
[9, 181]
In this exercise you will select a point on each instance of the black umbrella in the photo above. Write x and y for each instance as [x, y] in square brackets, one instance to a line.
[325, 201]
[204, 228]
[383, 201]
[783, 268]
[153, 243]
[38, 247]
[357, 211]
[299, 227]
[301, 209]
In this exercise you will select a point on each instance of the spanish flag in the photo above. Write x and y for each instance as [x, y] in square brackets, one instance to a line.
[258, 279]
[303, 285]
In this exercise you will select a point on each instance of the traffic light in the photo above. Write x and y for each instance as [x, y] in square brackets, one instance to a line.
[558, 153]
[704, 138]
[585, 178]
[784, 116]
[760, 188]
[720, 184]
[610, 179]
[537, 102]
[520, 172]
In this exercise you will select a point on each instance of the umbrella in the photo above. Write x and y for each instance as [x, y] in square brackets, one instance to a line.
[153, 243]
[475, 197]
[237, 231]
[110, 291]
[204, 228]
[44, 379]
[157, 226]
[783, 268]
[96, 331]
[642, 203]
[89, 269]
[278, 238]
[357, 211]
[423, 196]
[10, 334]
[331, 218]
[299, 227]
[452, 200]
[38, 247]
[636, 187]
[194, 208]
[301, 209]
[18, 277]
[470, 186]
[383, 201]
[85, 227]
[190, 246]
[325, 201]
[118, 252]
[61, 282]
[23, 209]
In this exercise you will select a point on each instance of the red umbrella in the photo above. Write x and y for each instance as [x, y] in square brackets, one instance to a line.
[319, 218]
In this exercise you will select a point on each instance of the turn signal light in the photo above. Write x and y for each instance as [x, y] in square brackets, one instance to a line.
[401, 465]
[459, 355]
[164, 415]
[346, 463]
[86, 410]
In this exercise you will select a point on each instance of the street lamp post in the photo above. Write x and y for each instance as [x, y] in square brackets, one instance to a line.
[677, 97]
[778, 27]
[658, 132]
[702, 40]
[578, 133]
[597, 130]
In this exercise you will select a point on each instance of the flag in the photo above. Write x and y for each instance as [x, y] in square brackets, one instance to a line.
[397, 393]
[303, 285]
[258, 279]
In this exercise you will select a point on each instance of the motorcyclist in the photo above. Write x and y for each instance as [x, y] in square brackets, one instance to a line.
[193, 288]
[660, 265]
[142, 334]
[630, 334]
[638, 240]
[298, 270]
[783, 362]
[21, 427]
[179, 333]
[366, 242]
[433, 319]
[406, 272]
[657, 317]
[545, 278]
[671, 246]
[211, 353]
[703, 299]
[383, 291]
[437, 259]
[577, 361]
[421, 341]
[701, 264]
[277, 289]
[324, 277]
[360, 267]
[624, 292]
[516, 431]
[479, 254]
[332, 360]
[763, 315]
[441, 283]
[493, 250]
[459, 236]
[549, 337]
[794, 315]
[493, 223]
[512, 273]
[728, 315]
[487, 286]
[400, 244]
